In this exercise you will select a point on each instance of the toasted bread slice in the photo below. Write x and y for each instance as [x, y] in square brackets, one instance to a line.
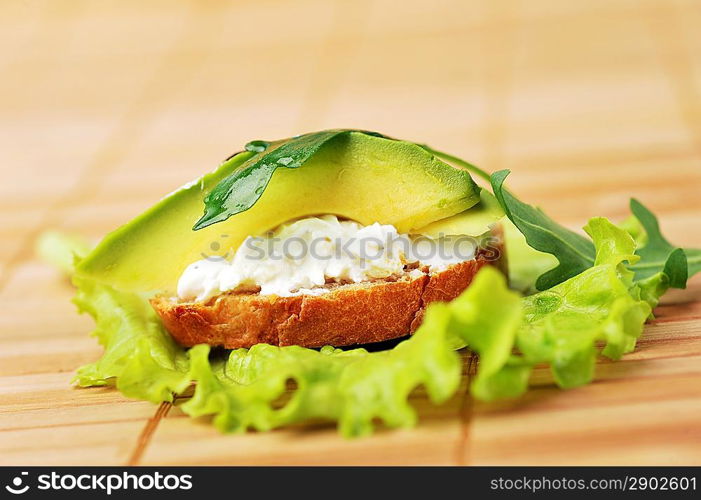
[346, 314]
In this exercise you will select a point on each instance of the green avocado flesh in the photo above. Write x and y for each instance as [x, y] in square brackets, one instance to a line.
[475, 221]
[361, 177]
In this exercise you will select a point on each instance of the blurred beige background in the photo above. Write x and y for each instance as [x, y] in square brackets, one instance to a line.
[107, 105]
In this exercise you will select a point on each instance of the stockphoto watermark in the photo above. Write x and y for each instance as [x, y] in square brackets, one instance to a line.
[108, 483]
[359, 248]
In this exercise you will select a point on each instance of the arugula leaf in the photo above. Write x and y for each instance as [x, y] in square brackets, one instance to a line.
[574, 252]
[241, 190]
[693, 259]
[525, 262]
[658, 254]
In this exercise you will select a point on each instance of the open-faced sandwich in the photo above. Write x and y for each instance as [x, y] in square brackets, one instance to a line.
[343, 244]
[337, 238]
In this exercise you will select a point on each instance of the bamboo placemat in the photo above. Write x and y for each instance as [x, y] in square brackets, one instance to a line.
[106, 106]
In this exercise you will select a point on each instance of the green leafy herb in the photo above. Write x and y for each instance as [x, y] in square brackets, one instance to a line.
[574, 252]
[658, 254]
[486, 318]
[693, 259]
[140, 357]
[526, 263]
[242, 189]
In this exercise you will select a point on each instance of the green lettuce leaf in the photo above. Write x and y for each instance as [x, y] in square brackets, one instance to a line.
[354, 387]
[561, 327]
[601, 304]
[486, 318]
[140, 356]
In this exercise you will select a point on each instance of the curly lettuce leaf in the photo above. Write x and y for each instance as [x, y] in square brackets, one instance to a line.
[140, 357]
[563, 326]
[600, 304]
[486, 318]
[354, 387]
[565, 323]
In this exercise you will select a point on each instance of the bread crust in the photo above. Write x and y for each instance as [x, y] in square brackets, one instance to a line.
[360, 313]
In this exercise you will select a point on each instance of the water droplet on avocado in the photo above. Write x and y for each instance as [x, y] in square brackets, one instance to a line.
[257, 146]
[260, 189]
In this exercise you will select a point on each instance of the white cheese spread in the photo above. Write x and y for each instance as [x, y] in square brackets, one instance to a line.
[301, 257]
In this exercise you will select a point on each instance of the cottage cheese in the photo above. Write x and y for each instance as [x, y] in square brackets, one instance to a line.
[300, 257]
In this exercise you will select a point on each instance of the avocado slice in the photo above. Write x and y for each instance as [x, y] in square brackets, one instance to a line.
[358, 176]
[474, 221]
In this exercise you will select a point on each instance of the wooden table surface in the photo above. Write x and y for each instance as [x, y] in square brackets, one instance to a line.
[105, 106]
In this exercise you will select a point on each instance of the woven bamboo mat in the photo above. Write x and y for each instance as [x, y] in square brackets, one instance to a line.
[106, 106]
